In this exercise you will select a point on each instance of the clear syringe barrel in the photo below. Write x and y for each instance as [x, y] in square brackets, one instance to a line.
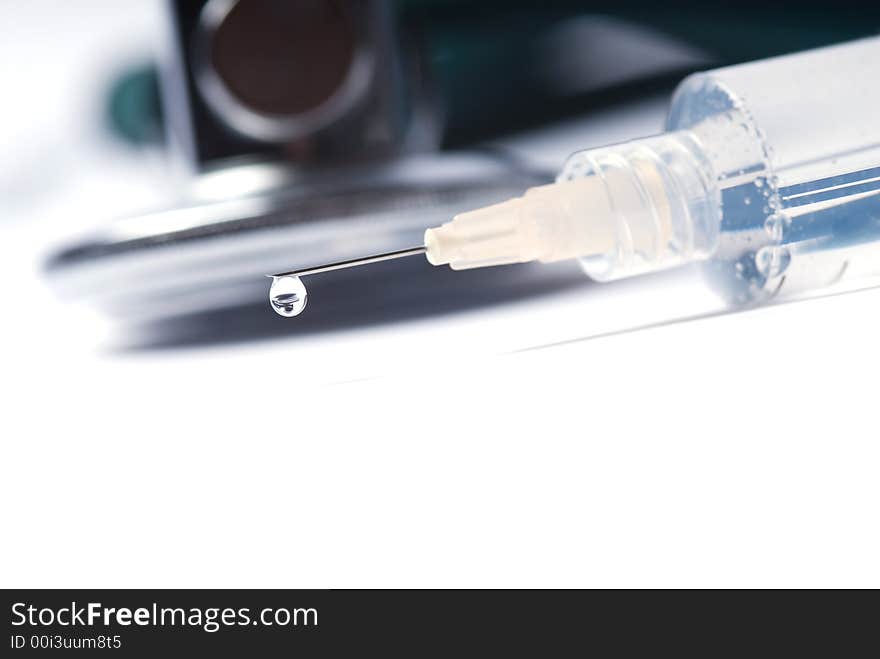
[769, 174]
[793, 147]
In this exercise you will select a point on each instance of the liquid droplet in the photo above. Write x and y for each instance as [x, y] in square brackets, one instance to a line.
[288, 296]
[772, 261]
[775, 227]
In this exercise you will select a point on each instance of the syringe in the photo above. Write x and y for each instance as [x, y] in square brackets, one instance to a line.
[768, 174]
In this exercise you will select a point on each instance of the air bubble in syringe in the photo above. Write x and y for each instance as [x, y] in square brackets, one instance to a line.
[288, 296]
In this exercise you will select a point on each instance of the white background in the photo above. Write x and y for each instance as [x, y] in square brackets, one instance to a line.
[724, 450]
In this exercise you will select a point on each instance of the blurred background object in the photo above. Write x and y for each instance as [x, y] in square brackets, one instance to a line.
[296, 132]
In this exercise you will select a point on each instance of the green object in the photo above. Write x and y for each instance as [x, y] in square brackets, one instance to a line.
[134, 111]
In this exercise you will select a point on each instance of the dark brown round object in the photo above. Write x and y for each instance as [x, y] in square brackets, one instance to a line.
[284, 58]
